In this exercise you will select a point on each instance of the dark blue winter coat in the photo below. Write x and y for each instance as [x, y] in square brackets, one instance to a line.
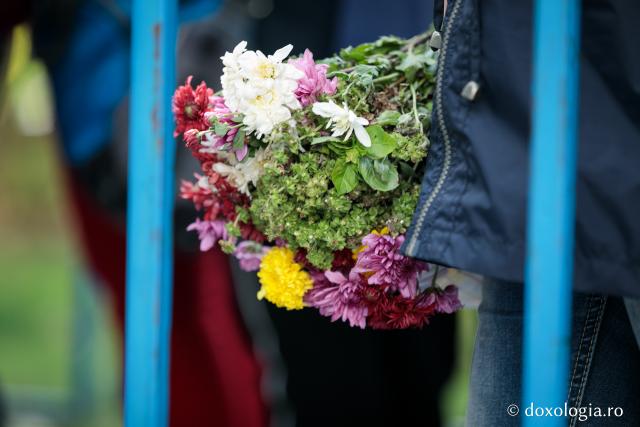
[471, 213]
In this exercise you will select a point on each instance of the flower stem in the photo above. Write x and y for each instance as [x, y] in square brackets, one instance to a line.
[383, 79]
[435, 276]
[415, 106]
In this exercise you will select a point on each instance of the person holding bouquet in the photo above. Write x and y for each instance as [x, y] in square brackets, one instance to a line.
[471, 213]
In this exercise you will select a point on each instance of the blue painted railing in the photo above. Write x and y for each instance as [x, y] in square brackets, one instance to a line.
[551, 207]
[151, 195]
[149, 215]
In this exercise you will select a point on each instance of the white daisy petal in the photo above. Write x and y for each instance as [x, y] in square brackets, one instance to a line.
[326, 109]
[280, 54]
[362, 135]
[362, 121]
[349, 132]
[240, 47]
[343, 120]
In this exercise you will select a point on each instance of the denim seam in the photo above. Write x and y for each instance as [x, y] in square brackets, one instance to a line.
[592, 348]
[589, 359]
[579, 349]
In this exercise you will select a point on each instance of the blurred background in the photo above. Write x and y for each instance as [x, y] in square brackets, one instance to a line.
[61, 305]
[59, 362]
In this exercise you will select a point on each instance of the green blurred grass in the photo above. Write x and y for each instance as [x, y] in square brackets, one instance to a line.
[35, 316]
[43, 345]
[36, 261]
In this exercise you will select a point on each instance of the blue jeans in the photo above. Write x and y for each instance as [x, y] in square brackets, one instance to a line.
[605, 361]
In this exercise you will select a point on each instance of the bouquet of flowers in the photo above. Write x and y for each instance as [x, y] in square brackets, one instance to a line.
[311, 173]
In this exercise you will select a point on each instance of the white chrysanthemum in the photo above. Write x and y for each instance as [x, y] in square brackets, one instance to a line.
[241, 174]
[259, 66]
[260, 87]
[265, 111]
[231, 78]
[343, 121]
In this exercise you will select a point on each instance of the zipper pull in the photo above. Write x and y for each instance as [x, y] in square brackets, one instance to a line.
[439, 11]
[435, 42]
[470, 90]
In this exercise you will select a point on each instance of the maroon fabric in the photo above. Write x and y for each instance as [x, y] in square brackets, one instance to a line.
[215, 377]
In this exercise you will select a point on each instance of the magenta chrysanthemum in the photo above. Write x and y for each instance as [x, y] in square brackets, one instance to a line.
[388, 267]
[339, 297]
[315, 82]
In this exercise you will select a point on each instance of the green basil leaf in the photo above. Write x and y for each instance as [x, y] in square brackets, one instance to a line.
[381, 142]
[321, 139]
[379, 174]
[406, 170]
[344, 176]
[358, 53]
[352, 155]
[388, 118]
[339, 74]
[387, 43]
[363, 69]
[412, 63]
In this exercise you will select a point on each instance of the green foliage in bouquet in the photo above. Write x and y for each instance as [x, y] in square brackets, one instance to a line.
[321, 192]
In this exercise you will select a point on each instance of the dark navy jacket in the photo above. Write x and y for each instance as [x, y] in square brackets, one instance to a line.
[471, 213]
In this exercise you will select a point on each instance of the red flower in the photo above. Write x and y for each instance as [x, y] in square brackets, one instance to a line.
[343, 260]
[201, 197]
[393, 311]
[300, 257]
[189, 107]
[191, 139]
[250, 232]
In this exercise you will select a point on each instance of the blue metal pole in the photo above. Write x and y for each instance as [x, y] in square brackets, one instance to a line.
[551, 207]
[150, 212]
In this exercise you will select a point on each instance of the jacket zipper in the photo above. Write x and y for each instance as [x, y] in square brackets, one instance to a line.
[445, 135]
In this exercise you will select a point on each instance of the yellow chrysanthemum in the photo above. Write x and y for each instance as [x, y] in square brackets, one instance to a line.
[283, 281]
[384, 231]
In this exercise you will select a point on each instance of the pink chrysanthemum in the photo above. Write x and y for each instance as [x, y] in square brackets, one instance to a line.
[249, 254]
[315, 82]
[338, 297]
[189, 106]
[209, 232]
[444, 300]
[382, 259]
[221, 112]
